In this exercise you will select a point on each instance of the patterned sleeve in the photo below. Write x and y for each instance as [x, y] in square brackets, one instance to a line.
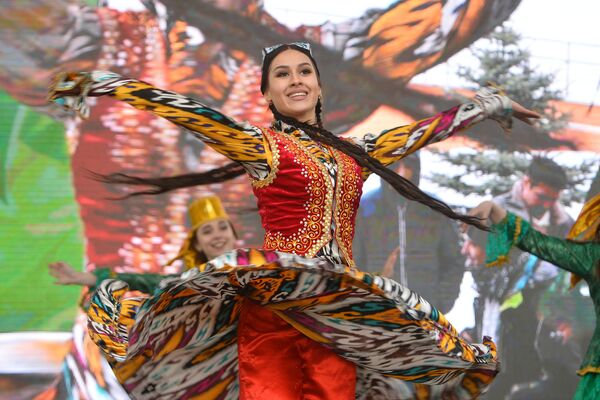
[578, 258]
[393, 144]
[242, 143]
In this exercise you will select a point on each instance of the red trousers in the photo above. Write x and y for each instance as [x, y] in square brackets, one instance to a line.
[278, 362]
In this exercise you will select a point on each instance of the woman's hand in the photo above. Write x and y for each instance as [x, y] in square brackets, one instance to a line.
[68, 84]
[388, 267]
[66, 275]
[523, 113]
[488, 211]
[498, 106]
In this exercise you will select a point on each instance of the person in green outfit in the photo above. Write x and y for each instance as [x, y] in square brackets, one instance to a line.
[212, 235]
[578, 254]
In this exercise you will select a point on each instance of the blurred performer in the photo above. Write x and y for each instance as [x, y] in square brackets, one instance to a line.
[580, 255]
[419, 248]
[522, 284]
[86, 374]
[490, 285]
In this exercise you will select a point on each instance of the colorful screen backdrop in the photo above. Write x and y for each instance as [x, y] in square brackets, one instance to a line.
[51, 209]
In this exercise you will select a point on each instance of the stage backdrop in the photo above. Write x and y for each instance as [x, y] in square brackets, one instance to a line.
[51, 209]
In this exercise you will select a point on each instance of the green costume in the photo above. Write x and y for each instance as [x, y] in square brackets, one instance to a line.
[145, 283]
[580, 258]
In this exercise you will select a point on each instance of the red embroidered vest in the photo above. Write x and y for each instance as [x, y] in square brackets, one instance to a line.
[297, 200]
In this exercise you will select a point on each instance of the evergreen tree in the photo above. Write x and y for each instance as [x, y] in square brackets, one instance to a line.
[493, 172]
[503, 61]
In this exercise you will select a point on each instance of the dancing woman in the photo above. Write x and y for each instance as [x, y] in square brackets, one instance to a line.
[297, 318]
[580, 254]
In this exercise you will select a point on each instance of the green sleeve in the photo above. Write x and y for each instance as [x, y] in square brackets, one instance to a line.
[578, 258]
[145, 283]
[502, 238]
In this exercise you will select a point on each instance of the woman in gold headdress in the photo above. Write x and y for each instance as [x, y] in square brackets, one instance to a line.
[211, 235]
[579, 254]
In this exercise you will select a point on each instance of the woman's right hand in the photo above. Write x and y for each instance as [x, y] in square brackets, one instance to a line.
[66, 275]
[70, 89]
[67, 84]
[488, 210]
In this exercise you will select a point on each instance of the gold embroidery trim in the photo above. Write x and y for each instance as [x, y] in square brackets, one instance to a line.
[274, 167]
[316, 230]
[588, 370]
[345, 196]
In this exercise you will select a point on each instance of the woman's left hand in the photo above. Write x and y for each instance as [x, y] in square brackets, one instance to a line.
[67, 275]
[523, 113]
[388, 267]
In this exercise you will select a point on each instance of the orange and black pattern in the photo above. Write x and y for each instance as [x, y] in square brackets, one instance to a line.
[183, 342]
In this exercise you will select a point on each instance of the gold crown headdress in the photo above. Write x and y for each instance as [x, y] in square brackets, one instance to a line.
[201, 211]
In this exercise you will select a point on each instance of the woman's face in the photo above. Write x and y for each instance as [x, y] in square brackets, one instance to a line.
[293, 86]
[215, 238]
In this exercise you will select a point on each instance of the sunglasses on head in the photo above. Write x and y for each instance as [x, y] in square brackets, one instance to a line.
[303, 45]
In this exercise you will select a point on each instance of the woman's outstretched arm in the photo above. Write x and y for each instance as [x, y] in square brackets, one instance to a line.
[239, 142]
[393, 144]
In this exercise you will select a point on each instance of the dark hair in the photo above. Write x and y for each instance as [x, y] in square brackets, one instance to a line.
[200, 257]
[268, 59]
[412, 162]
[403, 186]
[167, 183]
[547, 171]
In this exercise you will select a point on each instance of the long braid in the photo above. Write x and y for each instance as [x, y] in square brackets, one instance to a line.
[158, 185]
[317, 133]
[168, 183]
[403, 186]
[318, 112]
[232, 170]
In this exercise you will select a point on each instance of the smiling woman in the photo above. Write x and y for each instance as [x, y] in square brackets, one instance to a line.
[295, 319]
[293, 86]
[214, 238]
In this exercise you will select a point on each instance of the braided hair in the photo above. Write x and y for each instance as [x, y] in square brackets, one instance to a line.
[402, 185]
[317, 133]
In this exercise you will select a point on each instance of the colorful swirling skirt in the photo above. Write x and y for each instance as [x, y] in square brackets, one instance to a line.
[182, 341]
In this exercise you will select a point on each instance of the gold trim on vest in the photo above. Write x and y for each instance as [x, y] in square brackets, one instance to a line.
[316, 230]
